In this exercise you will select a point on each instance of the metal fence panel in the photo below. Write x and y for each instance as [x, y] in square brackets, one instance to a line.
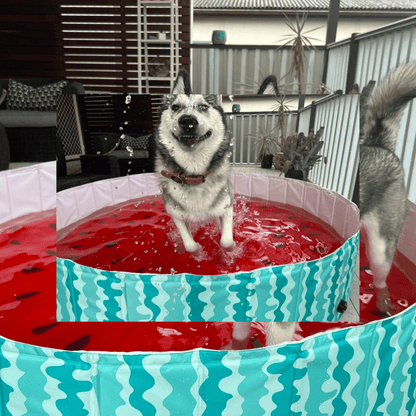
[240, 70]
[304, 119]
[338, 58]
[340, 117]
[244, 127]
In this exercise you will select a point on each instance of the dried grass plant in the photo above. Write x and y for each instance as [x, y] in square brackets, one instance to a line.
[299, 42]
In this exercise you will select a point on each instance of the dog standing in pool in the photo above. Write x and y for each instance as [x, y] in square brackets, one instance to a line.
[193, 149]
[382, 187]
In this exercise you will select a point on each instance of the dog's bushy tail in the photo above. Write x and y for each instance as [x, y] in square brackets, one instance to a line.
[383, 110]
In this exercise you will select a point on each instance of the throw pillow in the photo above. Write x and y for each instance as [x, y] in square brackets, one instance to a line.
[25, 97]
[3, 96]
[136, 143]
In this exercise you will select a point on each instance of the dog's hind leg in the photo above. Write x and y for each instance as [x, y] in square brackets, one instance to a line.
[278, 332]
[227, 240]
[188, 240]
[240, 336]
[380, 252]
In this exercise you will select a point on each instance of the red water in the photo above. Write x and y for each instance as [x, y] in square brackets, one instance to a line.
[141, 237]
[27, 304]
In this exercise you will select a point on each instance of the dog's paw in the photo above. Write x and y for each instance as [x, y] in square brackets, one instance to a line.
[194, 248]
[383, 301]
[236, 344]
[228, 246]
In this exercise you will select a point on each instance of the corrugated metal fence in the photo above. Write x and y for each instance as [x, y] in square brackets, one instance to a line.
[244, 127]
[339, 114]
[379, 52]
[239, 69]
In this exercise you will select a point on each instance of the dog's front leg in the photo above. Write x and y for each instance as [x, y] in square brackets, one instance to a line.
[188, 240]
[227, 229]
[240, 336]
[278, 332]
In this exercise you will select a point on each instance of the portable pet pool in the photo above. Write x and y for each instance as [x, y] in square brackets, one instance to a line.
[361, 370]
[307, 291]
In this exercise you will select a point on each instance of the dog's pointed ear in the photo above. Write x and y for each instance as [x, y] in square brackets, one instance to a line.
[182, 83]
[212, 99]
[269, 86]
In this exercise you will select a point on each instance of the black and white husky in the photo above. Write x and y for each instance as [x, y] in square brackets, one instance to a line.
[193, 149]
[382, 187]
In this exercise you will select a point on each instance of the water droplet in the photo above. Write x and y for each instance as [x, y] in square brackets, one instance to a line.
[128, 170]
[126, 122]
[231, 117]
[120, 128]
[146, 251]
[237, 268]
[129, 148]
[229, 154]
[128, 99]
[136, 242]
[163, 220]
[175, 245]
[129, 162]
[123, 136]
[125, 111]
[142, 242]
[232, 141]
[231, 97]
[155, 251]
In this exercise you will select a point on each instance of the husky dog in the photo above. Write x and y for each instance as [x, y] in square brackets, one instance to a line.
[382, 189]
[193, 158]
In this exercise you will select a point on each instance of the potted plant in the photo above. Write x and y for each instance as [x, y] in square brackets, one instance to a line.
[266, 142]
[300, 153]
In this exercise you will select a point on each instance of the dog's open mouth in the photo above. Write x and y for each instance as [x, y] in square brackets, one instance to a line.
[189, 140]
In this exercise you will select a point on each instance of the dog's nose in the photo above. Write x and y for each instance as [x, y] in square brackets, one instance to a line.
[188, 123]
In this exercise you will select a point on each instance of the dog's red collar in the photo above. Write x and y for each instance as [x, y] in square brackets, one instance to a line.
[182, 179]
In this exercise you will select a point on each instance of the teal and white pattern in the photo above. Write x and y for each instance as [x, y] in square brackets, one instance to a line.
[308, 291]
[367, 370]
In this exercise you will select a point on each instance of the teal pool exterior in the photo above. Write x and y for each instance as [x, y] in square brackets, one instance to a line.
[308, 291]
[367, 370]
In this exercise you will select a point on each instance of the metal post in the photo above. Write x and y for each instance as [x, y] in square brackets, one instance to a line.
[352, 63]
[331, 32]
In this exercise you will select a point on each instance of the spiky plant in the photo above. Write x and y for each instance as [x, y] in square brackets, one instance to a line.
[267, 141]
[299, 42]
[300, 152]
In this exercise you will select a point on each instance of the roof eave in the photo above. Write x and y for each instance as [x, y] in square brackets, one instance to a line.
[355, 12]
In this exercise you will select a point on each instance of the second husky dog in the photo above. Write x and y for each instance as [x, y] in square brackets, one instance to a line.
[193, 157]
[382, 188]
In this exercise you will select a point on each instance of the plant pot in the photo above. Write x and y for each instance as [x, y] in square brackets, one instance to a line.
[295, 174]
[219, 37]
[267, 161]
